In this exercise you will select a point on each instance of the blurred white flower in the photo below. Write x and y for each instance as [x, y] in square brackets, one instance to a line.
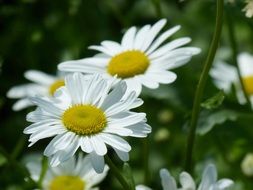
[89, 114]
[42, 85]
[142, 58]
[208, 181]
[247, 165]
[225, 75]
[77, 173]
[249, 8]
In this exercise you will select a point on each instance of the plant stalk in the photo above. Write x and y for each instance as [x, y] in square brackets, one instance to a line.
[117, 173]
[201, 85]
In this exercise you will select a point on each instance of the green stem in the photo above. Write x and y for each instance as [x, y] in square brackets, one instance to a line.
[17, 166]
[201, 85]
[19, 147]
[232, 38]
[146, 160]
[117, 173]
[44, 166]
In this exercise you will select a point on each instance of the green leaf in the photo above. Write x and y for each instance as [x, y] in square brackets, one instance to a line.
[3, 160]
[214, 102]
[208, 121]
[128, 174]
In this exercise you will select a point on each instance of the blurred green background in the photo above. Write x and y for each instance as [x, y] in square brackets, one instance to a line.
[39, 34]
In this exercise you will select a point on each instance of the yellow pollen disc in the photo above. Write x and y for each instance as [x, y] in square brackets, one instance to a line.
[128, 64]
[67, 183]
[84, 119]
[57, 84]
[248, 84]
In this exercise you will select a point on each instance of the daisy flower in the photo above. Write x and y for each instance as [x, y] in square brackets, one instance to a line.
[89, 114]
[248, 8]
[225, 75]
[76, 173]
[247, 165]
[42, 85]
[208, 182]
[142, 58]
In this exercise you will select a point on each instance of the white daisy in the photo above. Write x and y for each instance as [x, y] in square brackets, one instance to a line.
[76, 173]
[42, 85]
[248, 8]
[142, 58]
[86, 113]
[208, 182]
[247, 165]
[226, 75]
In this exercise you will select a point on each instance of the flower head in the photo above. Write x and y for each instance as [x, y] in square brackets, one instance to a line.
[226, 75]
[42, 85]
[247, 165]
[142, 58]
[76, 173]
[249, 8]
[89, 114]
[208, 181]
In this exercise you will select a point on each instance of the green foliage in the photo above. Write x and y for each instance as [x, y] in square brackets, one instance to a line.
[39, 34]
[214, 102]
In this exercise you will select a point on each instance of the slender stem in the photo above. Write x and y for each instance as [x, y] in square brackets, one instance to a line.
[146, 160]
[117, 173]
[44, 166]
[18, 166]
[232, 38]
[201, 85]
[19, 146]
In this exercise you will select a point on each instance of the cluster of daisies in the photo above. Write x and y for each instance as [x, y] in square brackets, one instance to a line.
[87, 107]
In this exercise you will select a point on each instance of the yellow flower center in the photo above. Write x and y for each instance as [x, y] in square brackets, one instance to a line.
[67, 183]
[128, 64]
[248, 84]
[84, 119]
[57, 84]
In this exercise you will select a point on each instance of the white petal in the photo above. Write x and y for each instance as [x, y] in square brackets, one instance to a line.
[162, 38]
[245, 61]
[59, 142]
[224, 183]
[140, 130]
[128, 39]
[87, 65]
[39, 77]
[209, 177]
[148, 82]
[98, 145]
[155, 29]
[26, 90]
[115, 141]
[114, 47]
[122, 105]
[170, 46]
[22, 104]
[115, 95]
[142, 187]
[164, 77]
[168, 182]
[133, 85]
[47, 105]
[86, 145]
[102, 49]
[124, 156]
[97, 162]
[141, 36]
[186, 181]
[127, 121]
